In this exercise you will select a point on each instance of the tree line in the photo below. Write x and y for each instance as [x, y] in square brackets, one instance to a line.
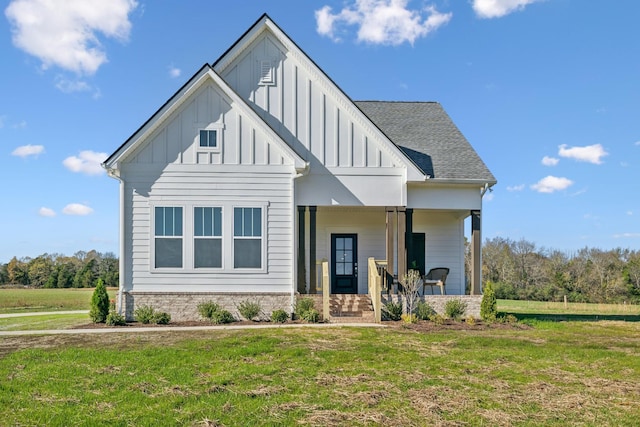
[82, 270]
[520, 270]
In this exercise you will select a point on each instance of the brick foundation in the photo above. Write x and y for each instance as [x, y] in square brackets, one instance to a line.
[437, 302]
[183, 306]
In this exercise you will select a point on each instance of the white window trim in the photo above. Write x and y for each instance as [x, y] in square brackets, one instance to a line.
[152, 239]
[219, 128]
[194, 238]
[263, 243]
[188, 237]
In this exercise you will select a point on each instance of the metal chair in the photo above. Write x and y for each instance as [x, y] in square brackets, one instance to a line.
[435, 277]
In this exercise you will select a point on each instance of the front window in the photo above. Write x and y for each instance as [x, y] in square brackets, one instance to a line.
[207, 248]
[247, 237]
[168, 237]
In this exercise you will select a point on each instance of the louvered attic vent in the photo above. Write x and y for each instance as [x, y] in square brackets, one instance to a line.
[267, 73]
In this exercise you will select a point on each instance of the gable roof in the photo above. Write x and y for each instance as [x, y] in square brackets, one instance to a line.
[414, 172]
[427, 135]
[206, 73]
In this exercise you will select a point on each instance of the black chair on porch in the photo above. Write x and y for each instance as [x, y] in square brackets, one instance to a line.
[435, 277]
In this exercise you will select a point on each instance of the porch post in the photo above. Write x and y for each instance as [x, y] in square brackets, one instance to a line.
[409, 238]
[312, 250]
[402, 242]
[302, 273]
[389, 244]
[476, 254]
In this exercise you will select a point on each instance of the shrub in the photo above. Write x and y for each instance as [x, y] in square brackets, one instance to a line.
[99, 303]
[216, 314]
[249, 309]
[305, 310]
[144, 314]
[489, 304]
[455, 308]
[436, 318]
[115, 319]
[409, 318]
[206, 309]
[470, 320]
[311, 316]
[161, 318]
[279, 316]
[392, 310]
[424, 311]
[409, 289]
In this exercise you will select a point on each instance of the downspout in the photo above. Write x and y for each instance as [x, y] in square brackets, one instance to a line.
[121, 261]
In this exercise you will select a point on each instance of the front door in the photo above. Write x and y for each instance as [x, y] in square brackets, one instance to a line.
[344, 263]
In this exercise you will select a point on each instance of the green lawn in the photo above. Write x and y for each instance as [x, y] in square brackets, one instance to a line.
[43, 322]
[34, 300]
[540, 310]
[556, 374]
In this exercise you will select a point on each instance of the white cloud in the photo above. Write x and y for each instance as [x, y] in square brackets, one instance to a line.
[387, 22]
[630, 213]
[488, 197]
[515, 187]
[551, 183]
[590, 153]
[550, 161]
[28, 150]
[77, 209]
[65, 33]
[68, 86]
[46, 212]
[498, 8]
[637, 143]
[87, 162]
[627, 235]
[174, 72]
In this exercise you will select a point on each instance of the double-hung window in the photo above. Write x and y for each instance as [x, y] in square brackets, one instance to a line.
[207, 237]
[247, 237]
[168, 237]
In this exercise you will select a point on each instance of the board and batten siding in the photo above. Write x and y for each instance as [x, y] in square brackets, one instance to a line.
[346, 153]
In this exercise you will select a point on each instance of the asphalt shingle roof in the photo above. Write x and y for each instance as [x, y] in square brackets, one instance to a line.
[426, 134]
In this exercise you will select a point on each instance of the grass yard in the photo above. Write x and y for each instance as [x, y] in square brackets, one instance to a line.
[43, 322]
[14, 300]
[557, 373]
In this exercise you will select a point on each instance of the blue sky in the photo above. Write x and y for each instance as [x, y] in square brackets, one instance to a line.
[547, 92]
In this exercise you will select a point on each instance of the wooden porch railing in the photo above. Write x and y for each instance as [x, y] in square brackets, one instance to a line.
[375, 288]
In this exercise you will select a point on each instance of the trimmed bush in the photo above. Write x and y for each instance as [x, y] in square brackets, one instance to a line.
[489, 304]
[161, 318]
[424, 311]
[409, 318]
[99, 303]
[455, 308]
[115, 319]
[392, 310]
[279, 316]
[216, 314]
[305, 310]
[311, 316]
[249, 309]
[144, 314]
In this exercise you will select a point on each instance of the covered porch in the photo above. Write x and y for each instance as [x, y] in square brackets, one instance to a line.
[364, 250]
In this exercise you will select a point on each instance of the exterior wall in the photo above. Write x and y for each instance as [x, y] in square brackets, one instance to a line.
[434, 196]
[246, 169]
[183, 306]
[437, 302]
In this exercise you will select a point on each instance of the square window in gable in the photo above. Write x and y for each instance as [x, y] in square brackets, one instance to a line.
[267, 72]
[209, 138]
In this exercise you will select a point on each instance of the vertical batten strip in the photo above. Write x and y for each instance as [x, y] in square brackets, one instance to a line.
[336, 142]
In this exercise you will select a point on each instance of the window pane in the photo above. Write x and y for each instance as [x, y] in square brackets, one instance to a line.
[198, 221]
[168, 253]
[203, 139]
[339, 244]
[348, 256]
[347, 243]
[208, 226]
[208, 253]
[339, 268]
[247, 222]
[213, 138]
[237, 221]
[247, 253]
[217, 221]
[159, 221]
[177, 224]
[257, 222]
[168, 222]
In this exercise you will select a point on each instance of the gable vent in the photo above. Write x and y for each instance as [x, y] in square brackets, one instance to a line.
[267, 73]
